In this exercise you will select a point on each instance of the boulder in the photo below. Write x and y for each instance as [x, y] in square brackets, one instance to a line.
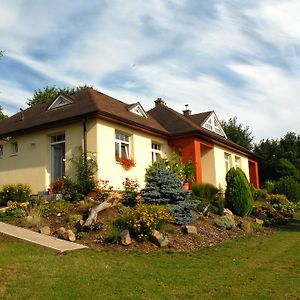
[125, 237]
[189, 229]
[228, 212]
[45, 230]
[62, 233]
[246, 226]
[71, 235]
[259, 221]
[159, 239]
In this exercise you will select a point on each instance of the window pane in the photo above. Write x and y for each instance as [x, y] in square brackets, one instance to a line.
[117, 149]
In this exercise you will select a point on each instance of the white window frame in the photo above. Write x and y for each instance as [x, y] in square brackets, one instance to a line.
[59, 102]
[227, 157]
[14, 148]
[1, 151]
[123, 140]
[156, 149]
[237, 162]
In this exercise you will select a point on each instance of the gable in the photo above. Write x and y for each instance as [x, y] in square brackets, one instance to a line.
[59, 102]
[138, 110]
[213, 124]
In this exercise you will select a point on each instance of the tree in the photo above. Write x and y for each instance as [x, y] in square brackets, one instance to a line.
[2, 115]
[238, 133]
[50, 93]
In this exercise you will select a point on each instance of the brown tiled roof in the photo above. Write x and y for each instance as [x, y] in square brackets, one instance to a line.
[85, 102]
[179, 125]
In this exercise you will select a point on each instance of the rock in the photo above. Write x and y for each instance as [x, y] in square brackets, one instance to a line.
[259, 221]
[71, 235]
[125, 238]
[189, 229]
[45, 230]
[228, 212]
[246, 226]
[159, 239]
[62, 232]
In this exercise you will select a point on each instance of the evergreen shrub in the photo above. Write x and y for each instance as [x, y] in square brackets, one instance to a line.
[183, 212]
[238, 195]
[288, 186]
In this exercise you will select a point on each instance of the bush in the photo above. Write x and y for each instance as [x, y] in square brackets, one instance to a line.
[103, 189]
[285, 168]
[58, 207]
[269, 186]
[289, 187]
[144, 218]
[259, 194]
[74, 219]
[205, 190]
[238, 192]
[225, 222]
[162, 187]
[112, 236]
[276, 198]
[70, 190]
[19, 192]
[183, 212]
[130, 192]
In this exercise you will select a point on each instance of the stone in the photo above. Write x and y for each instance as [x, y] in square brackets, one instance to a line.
[189, 229]
[62, 232]
[45, 230]
[246, 226]
[228, 212]
[125, 237]
[259, 221]
[159, 239]
[71, 235]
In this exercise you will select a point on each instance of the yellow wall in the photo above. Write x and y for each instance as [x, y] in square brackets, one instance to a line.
[220, 164]
[32, 164]
[208, 166]
[140, 151]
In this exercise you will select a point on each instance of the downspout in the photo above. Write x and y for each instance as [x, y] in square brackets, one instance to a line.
[84, 140]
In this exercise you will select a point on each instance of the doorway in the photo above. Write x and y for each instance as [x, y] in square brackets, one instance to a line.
[57, 156]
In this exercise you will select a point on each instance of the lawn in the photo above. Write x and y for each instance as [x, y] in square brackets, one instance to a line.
[247, 268]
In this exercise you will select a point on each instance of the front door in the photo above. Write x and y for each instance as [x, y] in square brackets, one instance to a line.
[57, 157]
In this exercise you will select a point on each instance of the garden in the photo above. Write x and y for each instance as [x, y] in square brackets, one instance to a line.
[164, 214]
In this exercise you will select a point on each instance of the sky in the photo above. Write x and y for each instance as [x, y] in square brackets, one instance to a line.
[237, 57]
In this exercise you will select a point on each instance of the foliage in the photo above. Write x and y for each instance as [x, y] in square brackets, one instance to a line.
[162, 187]
[238, 192]
[285, 168]
[269, 186]
[225, 222]
[2, 115]
[259, 194]
[183, 212]
[113, 235]
[238, 133]
[14, 210]
[74, 219]
[126, 163]
[56, 208]
[65, 186]
[19, 192]
[271, 151]
[276, 198]
[130, 192]
[144, 218]
[189, 171]
[56, 186]
[103, 189]
[33, 214]
[289, 187]
[85, 169]
[205, 190]
[50, 93]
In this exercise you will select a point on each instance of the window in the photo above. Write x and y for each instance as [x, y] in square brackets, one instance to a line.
[57, 139]
[14, 148]
[237, 162]
[122, 142]
[59, 102]
[1, 151]
[213, 124]
[156, 152]
[227, 161]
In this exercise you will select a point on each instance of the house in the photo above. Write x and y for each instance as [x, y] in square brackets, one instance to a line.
[36, 144]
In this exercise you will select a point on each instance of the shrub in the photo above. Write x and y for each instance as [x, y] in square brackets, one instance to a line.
[205, 190]
[259, 194]
[285, 168]
[19, 192]
[56, 186]
[70, 190]
[58, 207]
[289, 187]
[276, 198]
[162, 187]
[269, 186]
[225, 222]
[130, 192]
[33, 214]
[144, 218]
[183, 212]
[112, 236]
[238, 192]
[103, 189]
[74, 219]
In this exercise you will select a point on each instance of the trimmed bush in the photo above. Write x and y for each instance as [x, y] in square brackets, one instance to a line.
[289, 187]
[238, 192]
[162, 187]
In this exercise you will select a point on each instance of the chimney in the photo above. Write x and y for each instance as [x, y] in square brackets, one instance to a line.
[160, 101]
[187, 112]
[21, 114]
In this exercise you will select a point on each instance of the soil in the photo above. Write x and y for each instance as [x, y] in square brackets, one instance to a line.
[208, 234]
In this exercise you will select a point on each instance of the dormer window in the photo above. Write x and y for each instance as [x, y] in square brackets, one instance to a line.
[212, 123]
[59, 102]
[138, 110]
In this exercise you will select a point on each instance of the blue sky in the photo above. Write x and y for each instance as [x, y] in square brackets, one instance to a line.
[236, 57]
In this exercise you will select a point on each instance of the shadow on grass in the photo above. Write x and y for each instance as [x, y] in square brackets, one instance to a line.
[293, 226]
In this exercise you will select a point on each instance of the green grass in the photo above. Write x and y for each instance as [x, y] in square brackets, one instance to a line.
[247, 268]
